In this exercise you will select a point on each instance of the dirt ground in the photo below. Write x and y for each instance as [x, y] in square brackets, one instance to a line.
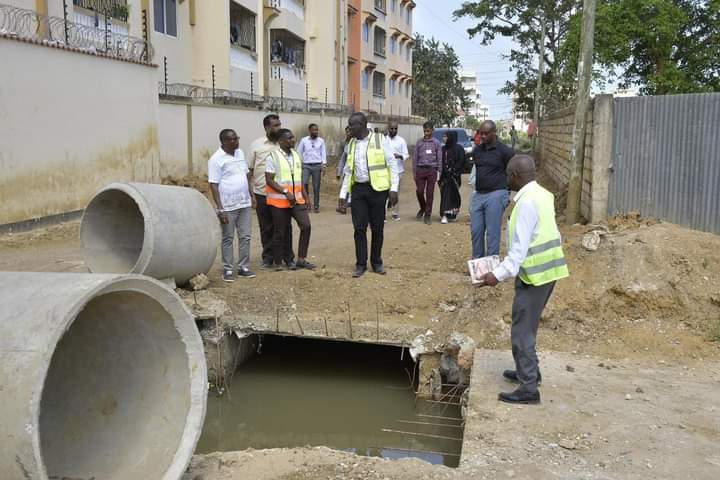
[647, 301]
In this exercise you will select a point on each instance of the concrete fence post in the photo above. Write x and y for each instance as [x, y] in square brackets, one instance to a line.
[603, 117]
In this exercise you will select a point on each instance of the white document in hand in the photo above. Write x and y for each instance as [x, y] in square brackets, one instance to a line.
[480, 266]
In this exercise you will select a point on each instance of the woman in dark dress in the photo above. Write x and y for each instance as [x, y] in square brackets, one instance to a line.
[452, 167]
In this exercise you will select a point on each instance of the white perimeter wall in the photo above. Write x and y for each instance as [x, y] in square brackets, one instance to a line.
[69, 124]
[207, 121]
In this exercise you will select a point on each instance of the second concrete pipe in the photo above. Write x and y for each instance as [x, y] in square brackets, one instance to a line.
[165, 232]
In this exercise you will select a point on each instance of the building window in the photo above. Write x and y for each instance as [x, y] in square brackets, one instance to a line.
[365, 79]
[287, 48]
[380, 5]
[365, 32]
[400, 49]
[379, 85]
[391, 87]
[165, 17]
[379, 41]
[408, 12]
[393, 44]
[242, 27]
[408, 53]
[407, 90]
[393, 5]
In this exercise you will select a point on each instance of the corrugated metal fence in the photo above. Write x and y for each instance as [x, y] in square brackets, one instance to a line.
[666, 159]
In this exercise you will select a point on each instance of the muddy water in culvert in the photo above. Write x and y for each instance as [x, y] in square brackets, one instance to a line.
[300, 392]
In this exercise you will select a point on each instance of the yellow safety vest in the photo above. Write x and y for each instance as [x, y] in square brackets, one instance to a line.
[545, 261]
[287, 178]
[378, 169]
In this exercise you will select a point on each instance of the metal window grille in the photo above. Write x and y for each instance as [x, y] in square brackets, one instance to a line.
[379, 43]
[113, 8]
[379, 84]
[242, 27]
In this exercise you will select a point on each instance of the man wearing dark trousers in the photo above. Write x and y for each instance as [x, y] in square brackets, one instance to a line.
[427, 164]
[371, 177]
[260, 150]
[287, 198]
[536, 258]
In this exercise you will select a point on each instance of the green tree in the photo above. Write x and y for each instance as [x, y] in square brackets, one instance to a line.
[664, 46]
[520, 20]
[437, 89]
[472, 122]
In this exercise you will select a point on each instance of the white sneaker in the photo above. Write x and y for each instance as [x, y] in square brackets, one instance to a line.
[443, 219]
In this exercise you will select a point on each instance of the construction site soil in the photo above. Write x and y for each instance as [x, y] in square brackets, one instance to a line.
[648, 296]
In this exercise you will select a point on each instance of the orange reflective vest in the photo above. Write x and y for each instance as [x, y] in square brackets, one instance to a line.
[289, 176]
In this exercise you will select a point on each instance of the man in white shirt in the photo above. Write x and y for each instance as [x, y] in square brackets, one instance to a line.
[314, 157]
[536, 258]
[229, 179]
[400, 150]
[371, 187]
[260, 150]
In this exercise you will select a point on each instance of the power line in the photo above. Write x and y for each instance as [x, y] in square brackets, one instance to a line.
[439, 17]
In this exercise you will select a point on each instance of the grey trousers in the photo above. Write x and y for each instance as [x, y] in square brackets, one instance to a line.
[313, 171]
[239, 220]
[528, 305]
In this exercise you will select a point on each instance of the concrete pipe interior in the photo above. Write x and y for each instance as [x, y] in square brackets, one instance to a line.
[113, 233]
[116, 393]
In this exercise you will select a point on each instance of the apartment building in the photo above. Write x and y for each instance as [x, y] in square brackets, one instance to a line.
[471, 85]
[336, 51]
[383, 58]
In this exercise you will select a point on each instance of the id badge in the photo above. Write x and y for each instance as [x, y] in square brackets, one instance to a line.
[428, 152]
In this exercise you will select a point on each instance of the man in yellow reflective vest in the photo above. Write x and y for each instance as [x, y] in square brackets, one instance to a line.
[287, 198]
[371, 176]
[536, 258]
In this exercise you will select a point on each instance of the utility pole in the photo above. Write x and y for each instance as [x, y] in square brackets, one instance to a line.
[538, 88]
[584, 74]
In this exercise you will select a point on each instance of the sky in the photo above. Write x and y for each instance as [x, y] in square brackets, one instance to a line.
[433, 18]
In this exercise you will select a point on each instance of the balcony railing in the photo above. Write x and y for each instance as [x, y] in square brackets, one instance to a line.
[296, 7]
[113, 8]
[286, 72]
[30, 25]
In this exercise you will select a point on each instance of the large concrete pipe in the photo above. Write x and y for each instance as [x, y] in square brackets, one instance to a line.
[102, 377]
[169, 233]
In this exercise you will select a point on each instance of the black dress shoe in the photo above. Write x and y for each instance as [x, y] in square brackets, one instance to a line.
[359, 272]
[380, 270]
[511, 375]
[520, 396]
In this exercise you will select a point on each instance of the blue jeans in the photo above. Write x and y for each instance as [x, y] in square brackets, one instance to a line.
[486, 215]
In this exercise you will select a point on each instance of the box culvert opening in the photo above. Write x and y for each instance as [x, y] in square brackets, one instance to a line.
[357, 397]
[117, 384]
[112, 232]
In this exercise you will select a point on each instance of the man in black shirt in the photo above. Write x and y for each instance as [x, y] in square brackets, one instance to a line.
[491, 195]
